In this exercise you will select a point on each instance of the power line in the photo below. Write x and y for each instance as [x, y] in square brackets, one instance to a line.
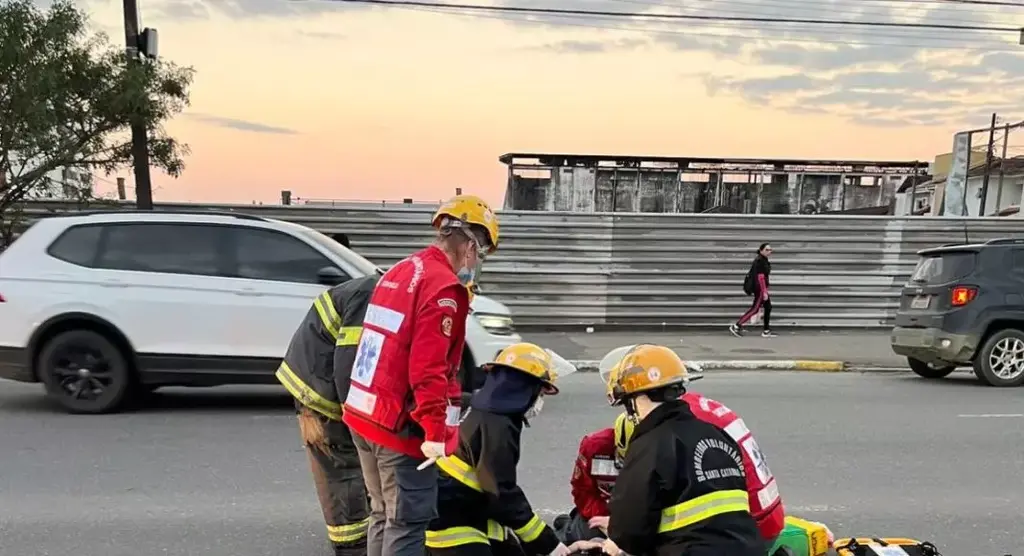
[850, 9]
[968, 2]
[893, 34]
[687, 17]
[725, 37]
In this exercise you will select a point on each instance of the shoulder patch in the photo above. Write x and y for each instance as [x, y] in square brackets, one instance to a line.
[448, 302]
[446, 326]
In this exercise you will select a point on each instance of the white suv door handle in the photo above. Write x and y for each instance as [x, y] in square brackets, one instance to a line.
[112, 283]
[248, 292]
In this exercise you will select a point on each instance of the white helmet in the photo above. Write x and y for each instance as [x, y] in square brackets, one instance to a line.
[613, 358]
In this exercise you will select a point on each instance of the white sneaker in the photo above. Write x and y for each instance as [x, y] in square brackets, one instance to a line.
[769, 334]
[735, 330]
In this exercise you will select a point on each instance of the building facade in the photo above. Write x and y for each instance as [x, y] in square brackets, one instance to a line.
[589, 183]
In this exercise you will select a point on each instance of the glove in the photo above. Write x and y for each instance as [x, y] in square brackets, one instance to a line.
[432, 450]
[560, 550]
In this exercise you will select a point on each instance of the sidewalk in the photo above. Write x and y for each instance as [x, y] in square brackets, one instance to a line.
[856, 348]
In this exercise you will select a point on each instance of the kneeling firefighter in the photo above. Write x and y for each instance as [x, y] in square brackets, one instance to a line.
[681, 489]
[479, 497]
[602, 452]
[316, 371]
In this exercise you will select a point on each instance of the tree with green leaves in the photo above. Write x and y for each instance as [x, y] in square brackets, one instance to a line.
[67, 101]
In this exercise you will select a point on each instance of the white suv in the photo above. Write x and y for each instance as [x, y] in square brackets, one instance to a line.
[100, 306]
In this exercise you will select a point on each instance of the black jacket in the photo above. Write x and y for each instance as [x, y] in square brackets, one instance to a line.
[674, 458]
[761, 265]
[480, 482]
[318, 363]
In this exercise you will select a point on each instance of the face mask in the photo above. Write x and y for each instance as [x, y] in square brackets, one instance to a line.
[535, 409]
[465, 275]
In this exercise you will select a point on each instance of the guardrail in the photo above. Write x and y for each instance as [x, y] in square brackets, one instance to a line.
[644, 270]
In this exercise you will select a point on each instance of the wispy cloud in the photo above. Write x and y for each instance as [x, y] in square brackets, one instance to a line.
[241, 125]
[875, 75]
[323, 35]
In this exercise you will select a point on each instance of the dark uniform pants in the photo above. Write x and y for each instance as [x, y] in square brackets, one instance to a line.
[339, 481]
[572, 527]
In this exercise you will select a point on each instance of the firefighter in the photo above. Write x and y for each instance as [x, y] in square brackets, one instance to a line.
[479, 498]
[404, 396]
[681, 489]
[315, 371]
[594, 473]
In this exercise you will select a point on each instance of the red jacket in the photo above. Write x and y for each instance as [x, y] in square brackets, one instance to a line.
[590, 491]
[762, 491]
[404, 387]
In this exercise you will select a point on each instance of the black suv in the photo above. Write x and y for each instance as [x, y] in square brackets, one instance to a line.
[964, 305]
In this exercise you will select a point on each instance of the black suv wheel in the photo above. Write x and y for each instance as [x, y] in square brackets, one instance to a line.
[928, 370]
[84, 372]
[1000, 361]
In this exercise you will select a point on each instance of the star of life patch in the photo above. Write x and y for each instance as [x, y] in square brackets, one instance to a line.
[446, 326]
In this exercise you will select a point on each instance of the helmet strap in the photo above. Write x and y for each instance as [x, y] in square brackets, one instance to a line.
[629, 404]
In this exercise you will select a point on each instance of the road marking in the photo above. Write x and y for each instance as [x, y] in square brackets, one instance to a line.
[978, 415]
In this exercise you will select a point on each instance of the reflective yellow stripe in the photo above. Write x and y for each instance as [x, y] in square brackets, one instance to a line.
[348, 533]
[306, 395]
[530, 531]
[349, 335]
[455, 536]
[703, 507]
[495, 531]
[460, 471]
[328, 315]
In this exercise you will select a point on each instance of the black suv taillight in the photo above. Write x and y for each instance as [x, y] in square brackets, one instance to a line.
[962, 295]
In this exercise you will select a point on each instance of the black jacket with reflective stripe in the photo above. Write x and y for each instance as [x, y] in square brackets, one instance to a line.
[681, 490]
[319, 360]
[480, 482]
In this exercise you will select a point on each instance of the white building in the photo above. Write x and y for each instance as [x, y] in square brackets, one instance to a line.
[1002, 194]
[63, 184]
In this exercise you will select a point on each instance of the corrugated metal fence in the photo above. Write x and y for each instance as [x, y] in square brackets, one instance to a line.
[564, 269]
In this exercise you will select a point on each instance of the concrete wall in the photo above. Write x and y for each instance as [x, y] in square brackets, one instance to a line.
[653, 270]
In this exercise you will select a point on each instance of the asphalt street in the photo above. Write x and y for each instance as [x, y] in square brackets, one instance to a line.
[221, 471]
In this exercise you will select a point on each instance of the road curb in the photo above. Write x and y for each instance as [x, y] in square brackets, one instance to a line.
[587, 365]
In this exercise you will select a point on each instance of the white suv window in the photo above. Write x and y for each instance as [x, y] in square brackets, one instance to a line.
[77, 245]
[270, 255]
[164, 247]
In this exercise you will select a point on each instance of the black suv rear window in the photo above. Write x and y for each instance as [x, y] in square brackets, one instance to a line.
[941, 268]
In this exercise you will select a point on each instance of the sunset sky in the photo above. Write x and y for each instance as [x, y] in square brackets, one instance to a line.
[338, 101]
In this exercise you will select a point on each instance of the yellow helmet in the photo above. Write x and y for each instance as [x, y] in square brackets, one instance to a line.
[623, 432]
[644, 368]
[530, 359]
[470, 210]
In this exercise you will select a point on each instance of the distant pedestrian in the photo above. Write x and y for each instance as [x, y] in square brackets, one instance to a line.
[756, 284]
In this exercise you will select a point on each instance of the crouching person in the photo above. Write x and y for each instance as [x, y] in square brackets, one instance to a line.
[479, 498]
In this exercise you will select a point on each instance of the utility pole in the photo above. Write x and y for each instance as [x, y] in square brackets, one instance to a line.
[1002, 165]
[988, 166]
[140, 139]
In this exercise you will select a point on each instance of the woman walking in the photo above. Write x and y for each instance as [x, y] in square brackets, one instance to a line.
[756, 284]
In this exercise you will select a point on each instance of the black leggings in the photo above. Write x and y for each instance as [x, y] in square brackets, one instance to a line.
[758, 304]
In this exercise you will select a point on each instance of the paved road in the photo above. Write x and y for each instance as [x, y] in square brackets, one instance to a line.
[857, 347]
[221, 472]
